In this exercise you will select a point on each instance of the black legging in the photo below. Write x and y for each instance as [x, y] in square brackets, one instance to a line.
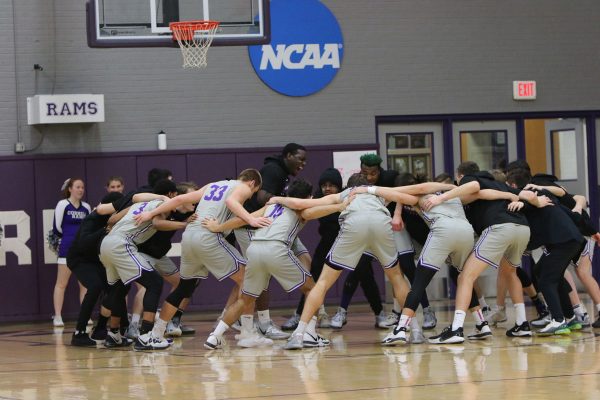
[524, 277]
[363, 274]
[92, 275]
[407, 265]
[454, 276]
[550, 274]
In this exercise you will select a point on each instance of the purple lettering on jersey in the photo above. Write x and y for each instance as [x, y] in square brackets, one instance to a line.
[141, 209]
[277, 211]
[216, 192]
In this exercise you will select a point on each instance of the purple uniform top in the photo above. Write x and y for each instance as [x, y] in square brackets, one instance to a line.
[67, 219]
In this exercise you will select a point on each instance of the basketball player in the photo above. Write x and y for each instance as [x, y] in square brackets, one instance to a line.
[270, 255]
[204, 251]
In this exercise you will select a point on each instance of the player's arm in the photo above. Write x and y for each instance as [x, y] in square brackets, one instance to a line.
[425, 188]
[115, 217]
[397, 222]
[161, 223]
[533, 199]
[234, 202]
[142, 197]
[300, 204]
[391, 194]
[555, 190]
[459, 191]
[105, 209]
[492, 194]
[580, 203]
[321, 211]
[233, 223]
[172, 204]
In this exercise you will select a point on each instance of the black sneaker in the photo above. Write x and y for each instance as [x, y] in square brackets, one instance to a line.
[448, 336]
[99, 334]
[519, 330]
[596, 323]
[185, 330]
[81, 339]
[542, 320]
[481, 332]
[116, 340]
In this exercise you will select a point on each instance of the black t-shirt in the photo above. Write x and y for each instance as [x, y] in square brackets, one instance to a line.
[550, 225]
[159, 244]
[274, 180]
[414, 224]
[484, 213]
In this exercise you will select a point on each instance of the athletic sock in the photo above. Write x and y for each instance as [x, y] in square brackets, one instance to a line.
[264, 317]
[146, 326]
[478, 315]
[404, 321]
[247, 323]
[520, 316]
[135, 318]
[459, 319]
[159, 328]
[311, 327]
[598, 308]
[579, 310]
[321, 309]
[220, 329]
[301, 328]
[482, 302]
[397, 309]
[102, 320]
[539, 304]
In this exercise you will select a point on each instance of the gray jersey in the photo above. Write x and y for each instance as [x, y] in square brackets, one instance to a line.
[284, 228]
[452, 208]
[363, 202]
[213, 204]
[127, 227]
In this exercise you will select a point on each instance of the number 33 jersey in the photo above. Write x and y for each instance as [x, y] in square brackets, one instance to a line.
[213, 204]
[127, 227]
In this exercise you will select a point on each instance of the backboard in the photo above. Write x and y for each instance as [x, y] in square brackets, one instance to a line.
[145, 23]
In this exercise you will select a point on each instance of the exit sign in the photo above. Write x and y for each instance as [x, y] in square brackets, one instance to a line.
[524, 90]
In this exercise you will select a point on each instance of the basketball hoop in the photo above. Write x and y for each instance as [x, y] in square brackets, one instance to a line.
[194, 38]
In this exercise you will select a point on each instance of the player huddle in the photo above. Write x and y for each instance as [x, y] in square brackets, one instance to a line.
[481, 223]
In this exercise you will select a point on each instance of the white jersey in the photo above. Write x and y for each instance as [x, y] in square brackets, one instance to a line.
[127, 227]
[452, 208]
[213, 204]
[284, 228]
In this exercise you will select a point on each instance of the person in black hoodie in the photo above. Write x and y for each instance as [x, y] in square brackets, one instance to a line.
[330, 182]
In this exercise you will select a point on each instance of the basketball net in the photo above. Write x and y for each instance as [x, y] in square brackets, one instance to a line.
[194, 38]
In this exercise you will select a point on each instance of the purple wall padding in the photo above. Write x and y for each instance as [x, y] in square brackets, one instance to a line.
[32, 184]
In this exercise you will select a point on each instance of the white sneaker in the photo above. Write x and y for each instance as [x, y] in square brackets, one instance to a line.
[173, 330]
[133, 330]
[213, 342]
[253, 339]
[389, 321]
[417, 337]
[315, 340]
[339, 319]
[396, 336]
[148, 341]
[497, 316]
[429, 318]
[57, 321]
[481, 332]
[291, 323]
[272, 331]
[295, 342]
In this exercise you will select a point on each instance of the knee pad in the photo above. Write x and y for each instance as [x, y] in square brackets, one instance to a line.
[184, 290]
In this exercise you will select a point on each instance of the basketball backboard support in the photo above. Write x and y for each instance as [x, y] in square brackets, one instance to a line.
[145, 23]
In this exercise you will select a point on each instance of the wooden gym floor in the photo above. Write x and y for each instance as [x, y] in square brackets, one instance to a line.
[38, 363]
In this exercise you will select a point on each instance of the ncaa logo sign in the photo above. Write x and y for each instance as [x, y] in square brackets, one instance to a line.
[306, 48]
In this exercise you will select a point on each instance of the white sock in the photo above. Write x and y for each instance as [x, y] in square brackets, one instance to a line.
[478, 315]
[311, 327]
[247, 323]
[397, 307]
[264, 317]
[135, 319]
[482, 302]
[322, 310]
[598, 308]
[520, 316]
[159, 328]
[404, 321]
[459, 319]
[301, 328]
[220, 329]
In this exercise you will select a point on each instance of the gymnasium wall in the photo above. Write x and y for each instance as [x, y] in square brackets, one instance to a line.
[400, 57]
[28, 268]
